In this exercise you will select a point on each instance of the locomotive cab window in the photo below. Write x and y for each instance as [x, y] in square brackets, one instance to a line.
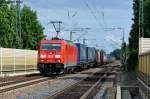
[50, 47]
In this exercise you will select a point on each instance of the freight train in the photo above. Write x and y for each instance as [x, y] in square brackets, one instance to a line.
[58, 56]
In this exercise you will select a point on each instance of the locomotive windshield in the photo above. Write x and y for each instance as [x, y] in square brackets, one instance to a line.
[51, 47]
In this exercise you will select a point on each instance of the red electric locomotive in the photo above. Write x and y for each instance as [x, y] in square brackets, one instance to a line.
[55, 56]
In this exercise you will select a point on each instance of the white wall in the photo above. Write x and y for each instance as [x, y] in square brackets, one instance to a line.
[144, 45]
[17, 60]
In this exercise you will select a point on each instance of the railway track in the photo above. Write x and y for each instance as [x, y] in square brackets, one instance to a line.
[11, 83]
[43, 88]
[13, 80]
[72, 86]
[8, 84]
[86, 88]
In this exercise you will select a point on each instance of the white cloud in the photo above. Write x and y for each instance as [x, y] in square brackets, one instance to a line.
[113, 39]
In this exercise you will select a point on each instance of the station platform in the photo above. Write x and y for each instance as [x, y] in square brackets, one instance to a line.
[9, 74]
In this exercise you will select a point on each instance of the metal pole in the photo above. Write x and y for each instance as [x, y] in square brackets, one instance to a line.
[123, 34]
[59, 29]
[18, 21]
[71, 36]
[84, 41]
[14, 61]
[139, 28]
[141, 18]
[25, 61]
[142, 8]
[17, 27]
[1, 62]
[123, 49]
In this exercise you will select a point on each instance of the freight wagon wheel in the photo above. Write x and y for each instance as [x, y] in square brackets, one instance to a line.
[88, 66]
[58, 72]
[65, 71]
[42, 72]
[72, 70]
[78, 69]
[69, 71]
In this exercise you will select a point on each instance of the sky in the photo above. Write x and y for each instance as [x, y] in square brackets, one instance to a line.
[97, 15]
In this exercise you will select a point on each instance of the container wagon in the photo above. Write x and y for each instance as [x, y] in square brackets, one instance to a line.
[90, 56]
[81, 56]
[98, 59]
[93, 49]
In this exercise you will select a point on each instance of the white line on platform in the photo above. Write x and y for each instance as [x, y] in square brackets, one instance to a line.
[118, 96]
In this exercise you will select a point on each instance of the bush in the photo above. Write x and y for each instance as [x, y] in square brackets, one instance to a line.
[132, 61]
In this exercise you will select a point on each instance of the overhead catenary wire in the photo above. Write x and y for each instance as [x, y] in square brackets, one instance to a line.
[103, 18]
[99, 13]
[92, 12]
[95, 14]
[102, 15]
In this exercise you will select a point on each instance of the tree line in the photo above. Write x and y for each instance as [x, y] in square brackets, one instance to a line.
[134, 33]
[116, 53]
[31, 28]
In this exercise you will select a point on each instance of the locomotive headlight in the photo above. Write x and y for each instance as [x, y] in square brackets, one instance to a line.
[58, 61]
[57, 56]
[42, 56]
[42, 60]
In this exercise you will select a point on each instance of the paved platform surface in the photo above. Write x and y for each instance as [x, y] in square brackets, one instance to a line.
[18, 73]
[129, 85]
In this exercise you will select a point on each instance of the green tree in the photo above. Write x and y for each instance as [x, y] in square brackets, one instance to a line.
[134, 37]
[134, 33]
[147, 18]
[116, 53]
[32, 30]
[7, 24]
[14, 37]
